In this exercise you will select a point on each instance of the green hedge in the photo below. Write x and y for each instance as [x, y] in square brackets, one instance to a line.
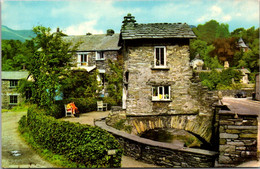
[84, 105]
[84, 144]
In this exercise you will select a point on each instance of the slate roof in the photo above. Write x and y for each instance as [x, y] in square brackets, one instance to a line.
[14, 75]
[157, 30]
[241, 43]
[97, 42]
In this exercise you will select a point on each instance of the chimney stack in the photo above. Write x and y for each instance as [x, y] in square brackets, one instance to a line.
[110, 32]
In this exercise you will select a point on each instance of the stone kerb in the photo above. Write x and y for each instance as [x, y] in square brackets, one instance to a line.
[237, 138]
[158, 153]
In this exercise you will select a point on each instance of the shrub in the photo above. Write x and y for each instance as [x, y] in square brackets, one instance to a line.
[84, 144]
[84, 104]
[110, 102]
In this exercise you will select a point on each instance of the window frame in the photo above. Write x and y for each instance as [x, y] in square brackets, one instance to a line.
[164, 57]
[80, 57]
[11, 100]
[83, 63]
[157, 91]
[13, 83]
[98, 54]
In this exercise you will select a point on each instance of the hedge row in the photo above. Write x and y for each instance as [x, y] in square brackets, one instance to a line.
[84, 105]
[84, 144]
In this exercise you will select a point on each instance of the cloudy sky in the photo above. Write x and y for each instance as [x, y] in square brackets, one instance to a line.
[77, 17]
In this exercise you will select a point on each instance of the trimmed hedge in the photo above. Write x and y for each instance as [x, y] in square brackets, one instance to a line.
[84, 144]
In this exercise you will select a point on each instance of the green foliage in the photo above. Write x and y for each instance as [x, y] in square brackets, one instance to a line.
[84, 105]
[50, 60]
[25, 88]
[110, 102]
[221, 80]
[15, 54]
[211, 30]
[115, 81]
[83, 144]
[120, 125]
[80, 84]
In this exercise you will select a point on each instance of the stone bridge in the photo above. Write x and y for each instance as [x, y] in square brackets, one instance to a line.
[199, 125]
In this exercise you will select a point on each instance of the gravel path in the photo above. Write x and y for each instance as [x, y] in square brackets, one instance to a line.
[88, 118]
[11, 142]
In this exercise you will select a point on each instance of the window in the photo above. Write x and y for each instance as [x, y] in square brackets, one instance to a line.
[13, 83]
[13, 99]
[83, 59]
[160, 56]
[100, 56]
[126, 77]
[161, 93]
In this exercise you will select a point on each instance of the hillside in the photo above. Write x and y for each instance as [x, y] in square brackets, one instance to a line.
[22, 35]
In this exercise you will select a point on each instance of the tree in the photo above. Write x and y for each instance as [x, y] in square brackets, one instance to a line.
[49, 62]
[115, 80]
[211, 30]
[80, 83]
[225, 49]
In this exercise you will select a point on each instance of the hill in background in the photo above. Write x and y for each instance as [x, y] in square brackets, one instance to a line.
[22, 35]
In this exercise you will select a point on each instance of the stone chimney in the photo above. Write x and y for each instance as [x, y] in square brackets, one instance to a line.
[58, 30]
[110, 32]
[129, 22]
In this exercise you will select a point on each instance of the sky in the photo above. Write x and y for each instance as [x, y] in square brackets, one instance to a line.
[78, 17]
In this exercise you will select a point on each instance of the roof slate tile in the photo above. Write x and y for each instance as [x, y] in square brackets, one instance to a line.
[157, 30]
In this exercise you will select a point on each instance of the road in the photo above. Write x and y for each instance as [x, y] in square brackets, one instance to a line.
[245, 106]
[242, 105]
[23, 156]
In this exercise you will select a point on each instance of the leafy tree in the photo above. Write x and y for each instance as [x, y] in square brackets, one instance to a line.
[220, 80]
[115, 80]
[211, 30]
[51, 59]
[80, 83]
[225, 49]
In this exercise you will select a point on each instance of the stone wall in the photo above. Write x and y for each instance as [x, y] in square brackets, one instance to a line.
[158, 153]
[138, 61]
[6, 92]
[237, 138]
[231, 93]
[187, 95]
[101, 64]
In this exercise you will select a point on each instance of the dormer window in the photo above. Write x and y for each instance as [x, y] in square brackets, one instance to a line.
[159, 56]
[100, 56]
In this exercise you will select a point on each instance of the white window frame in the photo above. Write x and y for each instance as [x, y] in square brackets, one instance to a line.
[80, 63]
[165, 54]
[163, 96]
[98, 54]
[10, 99]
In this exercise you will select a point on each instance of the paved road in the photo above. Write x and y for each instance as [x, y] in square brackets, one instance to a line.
[245, 106]
[11, 142]
[242, 105]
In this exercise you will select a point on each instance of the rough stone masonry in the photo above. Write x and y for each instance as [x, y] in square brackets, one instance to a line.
[189, 105]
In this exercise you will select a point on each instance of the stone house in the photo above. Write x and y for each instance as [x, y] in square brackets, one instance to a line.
[94, 52]
[10, 80]
[158, 78]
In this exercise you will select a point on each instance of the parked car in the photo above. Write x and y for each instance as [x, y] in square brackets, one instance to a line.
[240, 94]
